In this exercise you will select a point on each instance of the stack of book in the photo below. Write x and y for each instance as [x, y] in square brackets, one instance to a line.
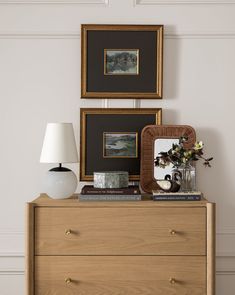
[90, 193]
[180, 196]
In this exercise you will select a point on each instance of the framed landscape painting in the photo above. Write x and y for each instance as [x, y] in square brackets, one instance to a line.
[120, 144]
[110, 139]
[122, 61]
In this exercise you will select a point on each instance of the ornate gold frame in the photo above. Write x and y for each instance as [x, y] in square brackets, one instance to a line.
[121, 157]
[122, 74]
[159, 64]
[88, 111]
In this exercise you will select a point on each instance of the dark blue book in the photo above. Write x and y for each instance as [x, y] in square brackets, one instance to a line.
[180, 196]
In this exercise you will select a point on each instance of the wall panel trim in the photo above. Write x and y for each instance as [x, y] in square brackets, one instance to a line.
[183, 2]
[12, 272]
[11, 254]
[223, 273]
[65, 2]
[39, 35]
[200, 35]
[76, 35]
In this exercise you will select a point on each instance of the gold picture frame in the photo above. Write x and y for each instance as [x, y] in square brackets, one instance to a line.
[148, 84]
[95, 121]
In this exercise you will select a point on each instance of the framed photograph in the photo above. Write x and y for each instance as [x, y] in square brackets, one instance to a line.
[120, 144]
[110, 140]
[122, 61]
[156, 139]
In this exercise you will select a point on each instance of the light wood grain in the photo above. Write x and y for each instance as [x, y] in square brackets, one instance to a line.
[210, 249]
[115, 247]
[44, 201]
[29, 245]
[120, 275]
[125, 231]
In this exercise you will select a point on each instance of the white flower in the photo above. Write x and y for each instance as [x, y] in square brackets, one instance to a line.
[198, 145]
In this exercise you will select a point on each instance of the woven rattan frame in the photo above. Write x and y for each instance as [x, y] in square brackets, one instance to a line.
[149, 134]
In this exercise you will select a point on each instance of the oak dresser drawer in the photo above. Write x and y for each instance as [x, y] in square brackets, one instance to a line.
[120, 231]
[152, 275]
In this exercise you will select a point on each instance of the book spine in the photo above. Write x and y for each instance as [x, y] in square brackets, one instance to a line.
[110, 192]
[177, 198]
[110, 198]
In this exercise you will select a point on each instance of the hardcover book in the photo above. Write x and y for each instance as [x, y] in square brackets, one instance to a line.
[90, 190]
[110, 197]
[181, 196]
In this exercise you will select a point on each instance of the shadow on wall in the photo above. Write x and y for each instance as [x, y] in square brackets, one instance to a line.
[171, 65]
[170, 117]
[216, 182]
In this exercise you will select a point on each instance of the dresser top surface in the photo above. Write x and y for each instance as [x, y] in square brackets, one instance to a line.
[44, 201]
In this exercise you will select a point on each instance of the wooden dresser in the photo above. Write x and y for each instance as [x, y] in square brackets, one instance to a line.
[120, 248]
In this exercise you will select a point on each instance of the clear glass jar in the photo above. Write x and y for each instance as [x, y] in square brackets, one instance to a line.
[187, 174]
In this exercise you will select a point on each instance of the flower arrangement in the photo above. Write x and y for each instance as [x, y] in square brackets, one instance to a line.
[179, 155]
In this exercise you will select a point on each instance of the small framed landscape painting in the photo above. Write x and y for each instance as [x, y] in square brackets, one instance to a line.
[122, 61]
[110, 139]
[120, 144]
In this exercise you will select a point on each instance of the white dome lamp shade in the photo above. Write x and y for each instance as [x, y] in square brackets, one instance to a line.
[59, 146]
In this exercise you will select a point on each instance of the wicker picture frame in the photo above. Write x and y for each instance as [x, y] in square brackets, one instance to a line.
[149, 135]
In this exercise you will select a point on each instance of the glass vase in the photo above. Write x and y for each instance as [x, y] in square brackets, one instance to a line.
[187, 174]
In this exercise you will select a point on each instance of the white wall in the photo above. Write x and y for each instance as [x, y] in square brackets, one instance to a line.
[40, 83]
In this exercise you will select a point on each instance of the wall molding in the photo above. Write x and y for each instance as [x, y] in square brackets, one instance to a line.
[200, 35]
[15, 232]
[223, 273]
[136, 103]
[227, 230]
[76, 35]
[12, 272]
[183, 2]
[225, 237]
[39, 35]
[12, 254]
[65, 2]
[105, 103]
[12, 263]
[11, 243]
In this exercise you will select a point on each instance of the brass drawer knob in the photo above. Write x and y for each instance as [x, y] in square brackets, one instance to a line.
[68, 280]
[172, 280]
[172, 232]
[68, 232]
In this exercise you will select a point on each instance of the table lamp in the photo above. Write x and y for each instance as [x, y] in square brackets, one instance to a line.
[59, 146]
